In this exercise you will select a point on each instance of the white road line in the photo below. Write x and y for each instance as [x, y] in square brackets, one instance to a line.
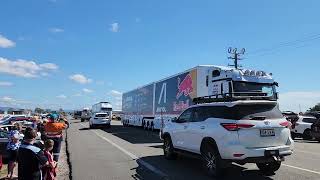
[134, 157]
[302, 169]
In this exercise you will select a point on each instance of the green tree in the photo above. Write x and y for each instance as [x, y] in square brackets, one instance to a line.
[315, 108]
[38, 110]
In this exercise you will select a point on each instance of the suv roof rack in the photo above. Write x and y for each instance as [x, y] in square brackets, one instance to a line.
[229, 97]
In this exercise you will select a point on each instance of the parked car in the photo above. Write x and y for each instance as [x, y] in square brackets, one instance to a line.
[315, 130]
[316, 114]
[302, 127]
[224, 132]
[100, 119]
[14, 119]
[85, 115]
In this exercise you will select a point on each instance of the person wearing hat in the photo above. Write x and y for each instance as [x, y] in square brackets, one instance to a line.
[54, 131]
[30, 158]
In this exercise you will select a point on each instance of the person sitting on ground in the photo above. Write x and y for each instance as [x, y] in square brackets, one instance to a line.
[49, 172]
[12, 149]
[30, 158]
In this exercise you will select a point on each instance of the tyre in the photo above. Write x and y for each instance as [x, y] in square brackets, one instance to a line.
[293, 135]
[211, 160]
[269, 168]
[307, 134]
[168, 149]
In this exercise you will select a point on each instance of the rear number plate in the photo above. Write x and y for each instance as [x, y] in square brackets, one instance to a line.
[267, 132]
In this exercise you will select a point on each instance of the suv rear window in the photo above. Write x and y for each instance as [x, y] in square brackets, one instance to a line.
[269, 111]
[102, 115]
[309, 120]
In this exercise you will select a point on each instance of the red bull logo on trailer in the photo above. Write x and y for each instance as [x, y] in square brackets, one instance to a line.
[185, 86]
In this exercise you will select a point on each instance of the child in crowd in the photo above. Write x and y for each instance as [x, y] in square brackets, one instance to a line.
[12, 148]
[49, 172]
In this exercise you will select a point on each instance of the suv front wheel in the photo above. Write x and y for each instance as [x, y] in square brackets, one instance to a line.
[269, 168]
[211, 160]
[168, 149]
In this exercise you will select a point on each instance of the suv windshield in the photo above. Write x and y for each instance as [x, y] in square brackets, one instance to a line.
[253, 87]
[238, 112]
[309, 120]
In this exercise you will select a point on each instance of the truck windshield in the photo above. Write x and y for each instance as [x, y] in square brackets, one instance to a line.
[242, 87]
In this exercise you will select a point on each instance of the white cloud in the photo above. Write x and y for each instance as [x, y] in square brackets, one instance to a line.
[292, 100]
[24, 68]
[7, 99]
[115, 93]
[79, 78]
[49, 66]
[114, 27]
[56, 30]
[62, 96]
[6, 43]
[77, 95]
[87, 90]
[4, 83]
[116, 99]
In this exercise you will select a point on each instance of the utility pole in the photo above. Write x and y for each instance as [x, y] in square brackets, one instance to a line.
[235, 55]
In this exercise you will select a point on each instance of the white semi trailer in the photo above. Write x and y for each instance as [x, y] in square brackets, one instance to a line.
[155, 103]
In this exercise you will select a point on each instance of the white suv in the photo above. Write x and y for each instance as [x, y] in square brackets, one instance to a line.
[302, 127]
[100, 119]
[226, 132]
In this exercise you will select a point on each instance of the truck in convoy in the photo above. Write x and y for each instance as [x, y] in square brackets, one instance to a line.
[85, 114]
[154, 104]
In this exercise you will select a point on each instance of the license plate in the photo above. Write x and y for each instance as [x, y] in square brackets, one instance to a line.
[269, 153]
[267, 132]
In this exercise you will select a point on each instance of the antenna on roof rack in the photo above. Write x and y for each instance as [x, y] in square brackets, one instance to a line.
[235, 56]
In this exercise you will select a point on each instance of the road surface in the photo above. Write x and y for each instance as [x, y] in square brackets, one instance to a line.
[123, 153]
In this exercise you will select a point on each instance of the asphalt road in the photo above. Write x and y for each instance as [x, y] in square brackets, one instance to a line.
[122, 153]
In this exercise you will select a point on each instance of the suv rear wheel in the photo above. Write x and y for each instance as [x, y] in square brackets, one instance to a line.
[269, 168]
[211, 160]
[168, 149]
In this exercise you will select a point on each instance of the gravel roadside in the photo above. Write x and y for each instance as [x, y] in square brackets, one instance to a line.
[63, 166]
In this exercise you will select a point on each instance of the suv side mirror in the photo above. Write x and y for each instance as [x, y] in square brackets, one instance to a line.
[175, 119]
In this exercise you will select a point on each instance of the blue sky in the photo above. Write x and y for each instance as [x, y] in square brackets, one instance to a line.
[117, 45]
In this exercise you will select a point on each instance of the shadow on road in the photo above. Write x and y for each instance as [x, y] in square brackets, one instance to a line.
[133, 135]
[185, 168]
[84, 129]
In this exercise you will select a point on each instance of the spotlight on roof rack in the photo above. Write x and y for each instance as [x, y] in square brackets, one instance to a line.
[252, 73]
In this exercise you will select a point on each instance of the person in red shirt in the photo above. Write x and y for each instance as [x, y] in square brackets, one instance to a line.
[49, 171]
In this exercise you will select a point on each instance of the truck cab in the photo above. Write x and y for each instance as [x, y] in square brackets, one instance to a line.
[226, 83]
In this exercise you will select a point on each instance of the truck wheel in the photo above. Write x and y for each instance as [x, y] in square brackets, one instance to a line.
[269, 168]
[168, 149]
[211, 160]
[307, 134]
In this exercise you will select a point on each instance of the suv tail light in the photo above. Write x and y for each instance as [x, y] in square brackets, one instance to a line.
[286, 124]
[235, 126]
